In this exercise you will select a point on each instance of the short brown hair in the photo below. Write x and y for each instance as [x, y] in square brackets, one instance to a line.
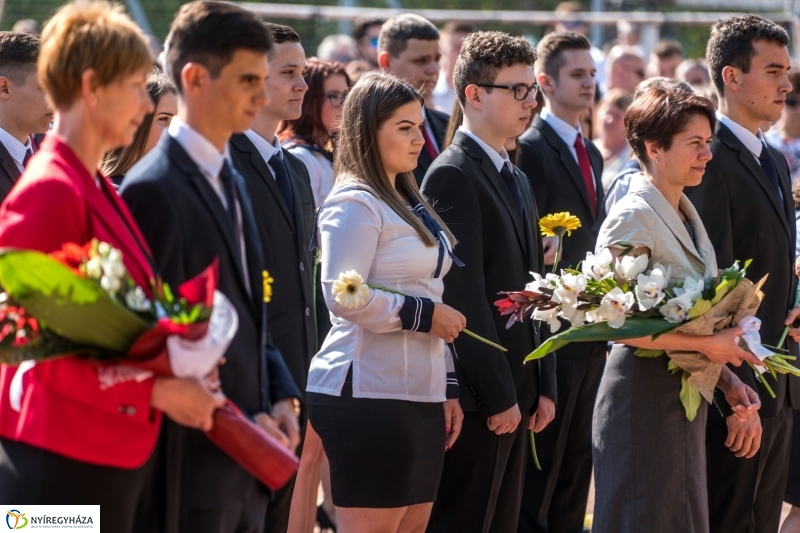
[282, 34]
[458, 27]
[551, 48]
[18, 55]
[210, 33]
[483, 54]
[658, 114]
[667, 48]
[89, 34]
[396, 32]
[731, 44]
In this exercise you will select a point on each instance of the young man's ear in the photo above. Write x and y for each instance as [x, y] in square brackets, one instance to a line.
[383, 60]
[472, 96]
[5, 92]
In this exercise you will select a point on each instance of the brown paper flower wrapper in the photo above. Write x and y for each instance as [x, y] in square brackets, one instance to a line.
[742, 301]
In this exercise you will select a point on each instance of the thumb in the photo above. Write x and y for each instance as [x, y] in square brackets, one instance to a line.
[531, 422]
[793, 314]
[736, 330]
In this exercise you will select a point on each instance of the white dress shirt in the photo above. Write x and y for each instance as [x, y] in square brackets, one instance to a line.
[443, 95]
[362, 233]
[265, 148]
[16, 149]
[567, 133]
[209, 160]
[320, 170]
[498, 158]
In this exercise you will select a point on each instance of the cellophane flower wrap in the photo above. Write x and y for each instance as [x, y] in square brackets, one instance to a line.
[608, 300]
[82, 301]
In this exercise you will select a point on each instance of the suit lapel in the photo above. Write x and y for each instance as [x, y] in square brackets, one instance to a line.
[9, 166]
[476, 152]
[747, 159]
[251, 242]
[241, 142]
[209, 196]
[298, 205]
[567, 159]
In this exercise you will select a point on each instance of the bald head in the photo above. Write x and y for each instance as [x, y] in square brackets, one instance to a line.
[625, 67]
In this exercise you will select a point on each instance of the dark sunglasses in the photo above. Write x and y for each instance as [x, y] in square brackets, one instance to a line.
[521, 92]
[335, 98]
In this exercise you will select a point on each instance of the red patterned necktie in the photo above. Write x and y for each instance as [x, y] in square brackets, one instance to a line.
[430, 146]
[586, 170]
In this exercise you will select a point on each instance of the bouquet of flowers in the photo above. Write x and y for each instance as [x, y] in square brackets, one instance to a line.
[605, 301]
[81, 300]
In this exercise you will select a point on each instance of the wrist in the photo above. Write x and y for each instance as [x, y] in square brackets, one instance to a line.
[291, 404]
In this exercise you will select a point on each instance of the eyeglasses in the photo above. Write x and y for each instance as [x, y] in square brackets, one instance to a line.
[373, 42]
[521, 92]
[791, 102]
[335, 98]
[640, 73]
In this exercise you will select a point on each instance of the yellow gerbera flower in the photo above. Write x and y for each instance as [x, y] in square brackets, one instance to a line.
[558, 224]
[268, 281]
[350, 290]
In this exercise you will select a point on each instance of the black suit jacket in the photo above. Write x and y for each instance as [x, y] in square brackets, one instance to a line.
[9, 172]
[745, 219]
[499, 251]
[557, 185]
[438, 122]
[186, 227]
[284, 243]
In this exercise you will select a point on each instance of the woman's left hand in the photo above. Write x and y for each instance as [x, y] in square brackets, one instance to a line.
[453, 417]
[744, 401]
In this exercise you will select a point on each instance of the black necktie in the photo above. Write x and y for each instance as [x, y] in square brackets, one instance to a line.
[228, 187]
[513, 188]
[28, 155]
[768, 166]
[282, 179]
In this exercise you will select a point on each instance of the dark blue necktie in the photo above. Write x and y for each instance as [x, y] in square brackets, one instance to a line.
[768, 166]
[282, 179]
[28, 155]
[228, 187]
[513, 189]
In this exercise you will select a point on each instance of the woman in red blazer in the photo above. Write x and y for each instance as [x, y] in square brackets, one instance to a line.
[84, 433]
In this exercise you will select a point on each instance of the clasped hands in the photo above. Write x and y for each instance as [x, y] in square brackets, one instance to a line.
[508, 420]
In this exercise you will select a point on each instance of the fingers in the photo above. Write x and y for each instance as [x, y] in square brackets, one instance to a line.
[755, 446]
[744, 449]
[531, 422]
[792, 316]
[795, 334]
[455, 420]
[737, 441]
[492, 424]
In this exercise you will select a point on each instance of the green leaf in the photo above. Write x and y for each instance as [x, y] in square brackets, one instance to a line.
[690, 397]
[73, 307]
[645, 352]
[722, 289]
[699, 308]
[673, 367]
[600, 331]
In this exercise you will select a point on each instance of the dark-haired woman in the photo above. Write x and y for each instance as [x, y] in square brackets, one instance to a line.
[310, 136]
[71, 431]
[117, 162]
[649, 459]
[378, 388]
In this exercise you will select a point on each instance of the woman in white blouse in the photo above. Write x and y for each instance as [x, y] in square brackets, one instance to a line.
[382, 394]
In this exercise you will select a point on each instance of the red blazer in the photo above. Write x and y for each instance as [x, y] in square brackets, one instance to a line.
[65, 409]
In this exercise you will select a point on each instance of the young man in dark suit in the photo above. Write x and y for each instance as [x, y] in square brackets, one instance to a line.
[565, 171]
[745, 201]
[193, 207]
[283, 206]
[408, 47]
[487, 203]
[23, 106]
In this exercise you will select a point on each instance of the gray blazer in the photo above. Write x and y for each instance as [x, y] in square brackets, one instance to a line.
[644, 218]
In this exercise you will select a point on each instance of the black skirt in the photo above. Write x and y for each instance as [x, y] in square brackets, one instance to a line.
[793, 482]
[382, 453]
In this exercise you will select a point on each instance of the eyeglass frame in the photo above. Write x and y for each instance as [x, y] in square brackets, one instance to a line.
[329, 98]
[533, 88]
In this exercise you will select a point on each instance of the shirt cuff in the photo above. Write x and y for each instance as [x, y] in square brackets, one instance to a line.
[416, 314]
[452, 392]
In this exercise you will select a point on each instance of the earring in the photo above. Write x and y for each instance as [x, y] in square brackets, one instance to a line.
[656, 160]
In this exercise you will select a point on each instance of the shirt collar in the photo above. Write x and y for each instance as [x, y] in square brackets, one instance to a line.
[200, 150]
[14, 147]
[498, 159]
[567, 133]
[264, 147]
[750, 141]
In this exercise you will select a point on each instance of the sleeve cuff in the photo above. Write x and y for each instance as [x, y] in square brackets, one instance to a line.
[453, 392]
[416, 314]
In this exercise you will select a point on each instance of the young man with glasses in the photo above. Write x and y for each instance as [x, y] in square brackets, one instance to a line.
[487, 203]
[283, 206]
[565, 171]
[366, 32]
[408, 47]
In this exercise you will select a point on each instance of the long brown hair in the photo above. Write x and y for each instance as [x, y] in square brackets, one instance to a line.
[371, 102]
[118, 162]
[308, 129]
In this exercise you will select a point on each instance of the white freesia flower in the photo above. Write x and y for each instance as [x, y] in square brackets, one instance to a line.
[629, 267]
[137, 300]
[550, 316]
[350, 290]
[650, 288]
[577, 318]
[598, 266]
[676, 310]
[94, 268]
[114, 269]
[568, 288]
[548, 282]
[103, 248]
[110, 284]
[614, 305]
